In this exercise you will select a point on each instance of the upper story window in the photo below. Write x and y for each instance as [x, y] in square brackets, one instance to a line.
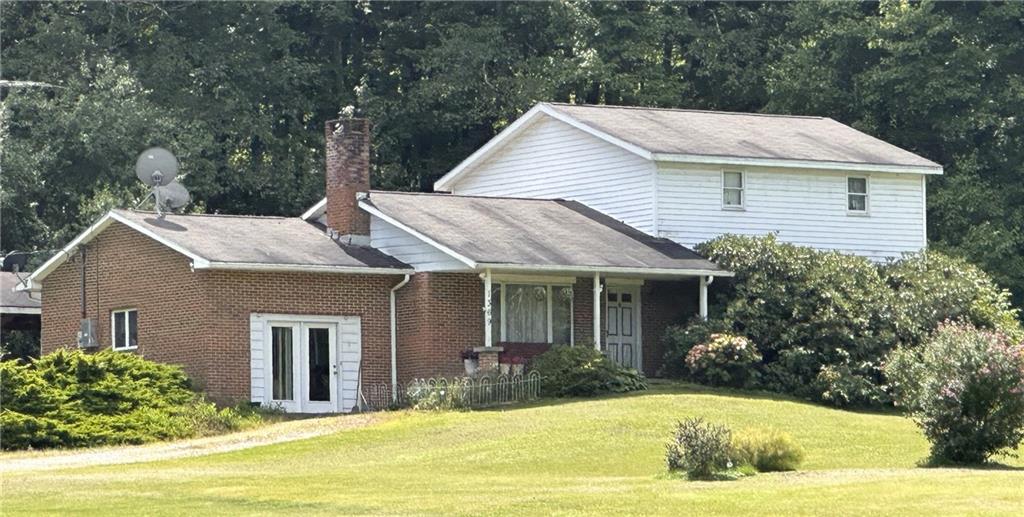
[124, 329]
[531, 313]
[733, 184]
[857, 194]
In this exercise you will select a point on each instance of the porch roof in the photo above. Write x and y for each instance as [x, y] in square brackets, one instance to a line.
[552, 235]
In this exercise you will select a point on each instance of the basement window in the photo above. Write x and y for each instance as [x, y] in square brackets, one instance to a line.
[124, 329]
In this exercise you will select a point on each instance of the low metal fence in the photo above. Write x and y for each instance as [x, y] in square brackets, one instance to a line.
[456, 392]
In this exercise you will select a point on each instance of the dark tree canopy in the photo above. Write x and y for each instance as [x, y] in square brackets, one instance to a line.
[239, 91]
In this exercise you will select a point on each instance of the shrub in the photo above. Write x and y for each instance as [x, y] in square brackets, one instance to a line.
[678, 340]
[823, 321]
[700, 449]
[724, 360]
[75, 399]
[965, 389]
[767, 450]
[581, 371]
[445, 396]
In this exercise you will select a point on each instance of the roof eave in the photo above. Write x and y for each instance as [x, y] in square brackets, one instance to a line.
[796, 164]
[305, 268]
[315, 210]
[640, 271]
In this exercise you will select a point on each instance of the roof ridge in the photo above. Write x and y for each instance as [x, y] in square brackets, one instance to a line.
[236, 216]
[685, 110]
[475, 196]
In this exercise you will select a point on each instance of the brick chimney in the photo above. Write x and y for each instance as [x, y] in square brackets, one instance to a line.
[347, 172]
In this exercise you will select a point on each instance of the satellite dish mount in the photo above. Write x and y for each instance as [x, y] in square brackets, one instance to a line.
[157, 168]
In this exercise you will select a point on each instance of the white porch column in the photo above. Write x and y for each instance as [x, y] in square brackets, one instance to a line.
[487, 309]
[704, 296]
[597, 311]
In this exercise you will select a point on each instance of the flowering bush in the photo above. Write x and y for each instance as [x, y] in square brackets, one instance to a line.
[965, 389]
[700, 449]
[725, 360]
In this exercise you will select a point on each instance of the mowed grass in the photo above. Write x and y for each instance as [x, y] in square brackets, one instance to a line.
[602, 456]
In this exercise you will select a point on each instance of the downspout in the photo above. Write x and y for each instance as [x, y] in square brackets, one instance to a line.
[394, 339]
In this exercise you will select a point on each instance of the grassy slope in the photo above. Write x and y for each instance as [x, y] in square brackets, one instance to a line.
[596, 456]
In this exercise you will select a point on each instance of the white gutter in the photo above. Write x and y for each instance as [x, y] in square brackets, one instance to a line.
[608, 270]
[394, 338]
[795, 164]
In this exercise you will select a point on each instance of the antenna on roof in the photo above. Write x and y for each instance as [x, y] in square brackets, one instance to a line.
[157, 167]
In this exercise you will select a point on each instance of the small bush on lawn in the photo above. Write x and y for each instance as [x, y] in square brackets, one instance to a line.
[580, 371]
[965, 389]
[451, 395]
[724, 360]
[700, 449]
[74, 399]
[767, 450]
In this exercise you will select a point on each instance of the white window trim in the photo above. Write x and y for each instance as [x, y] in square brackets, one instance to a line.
[866, 194]
[126, 329]
[742, 188]
[550, 286]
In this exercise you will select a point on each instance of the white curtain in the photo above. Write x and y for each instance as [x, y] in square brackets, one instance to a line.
[527, 313]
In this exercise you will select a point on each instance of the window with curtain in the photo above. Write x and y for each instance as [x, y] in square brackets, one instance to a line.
[532, 313]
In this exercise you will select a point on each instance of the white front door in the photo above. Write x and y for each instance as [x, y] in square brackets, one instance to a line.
[304, 366]
[623, 343]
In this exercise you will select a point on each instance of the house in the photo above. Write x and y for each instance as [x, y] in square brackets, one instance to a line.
[19, 310]
[571, 226]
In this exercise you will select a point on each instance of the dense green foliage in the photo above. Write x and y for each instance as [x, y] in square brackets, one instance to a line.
[240, 91]
[824, 321]
[767, 450]
[700, 449]
[724, 360]
[582, 371]
[965, 389]
[74, 399]
[18, 345]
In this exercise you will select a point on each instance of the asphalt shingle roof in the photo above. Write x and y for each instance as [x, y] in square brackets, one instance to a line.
[534, 232]
[286, 241]
[15, 299]
[741, 135]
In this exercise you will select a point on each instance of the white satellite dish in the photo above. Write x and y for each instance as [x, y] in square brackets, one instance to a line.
[157, 167]
[174, 195]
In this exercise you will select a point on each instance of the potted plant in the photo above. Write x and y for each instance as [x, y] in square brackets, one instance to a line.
[471, 360]
[504, 364]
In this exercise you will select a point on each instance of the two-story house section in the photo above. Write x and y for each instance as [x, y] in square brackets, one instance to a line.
[692, 175]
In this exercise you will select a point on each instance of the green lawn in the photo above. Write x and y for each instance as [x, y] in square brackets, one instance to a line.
[600, 456]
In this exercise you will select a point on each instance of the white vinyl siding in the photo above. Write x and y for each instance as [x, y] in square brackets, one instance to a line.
[805, 207]
[552, 159]
[409, 249]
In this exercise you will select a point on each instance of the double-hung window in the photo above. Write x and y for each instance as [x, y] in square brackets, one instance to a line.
[733, 185]
[857, 195]
[124, 329]
[531, 313]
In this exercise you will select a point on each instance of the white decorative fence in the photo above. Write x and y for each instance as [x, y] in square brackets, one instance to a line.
[457, 392]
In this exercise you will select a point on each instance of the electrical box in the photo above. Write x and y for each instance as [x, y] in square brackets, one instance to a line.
[87, 334]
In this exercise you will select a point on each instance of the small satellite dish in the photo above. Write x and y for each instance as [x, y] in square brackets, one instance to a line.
[174, 195]
[156, 167]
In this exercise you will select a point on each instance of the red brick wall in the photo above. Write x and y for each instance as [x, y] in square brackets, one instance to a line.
[127, 270]
[439, 316]
[234, 295]
[200, 320]
[664, 303]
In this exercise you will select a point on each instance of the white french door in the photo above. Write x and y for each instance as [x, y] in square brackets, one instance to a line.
[304, 366]
[622, 324]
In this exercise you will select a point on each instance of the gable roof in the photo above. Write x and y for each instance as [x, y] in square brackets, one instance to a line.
[503, 233]
[240, 242]
[13, 301]
[717, 137]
